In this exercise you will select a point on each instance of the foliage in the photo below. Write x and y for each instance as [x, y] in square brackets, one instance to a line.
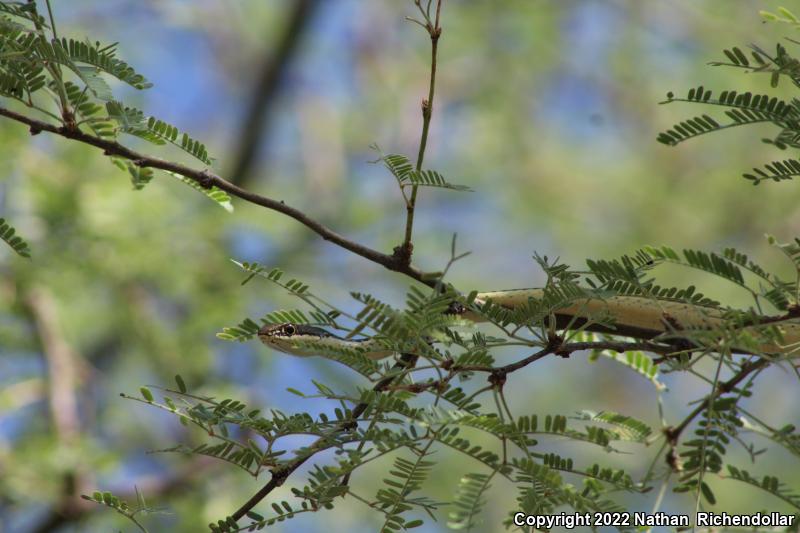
[407, 176]
[743, 108]
[108, 499]
[35, 68]
[393, 424]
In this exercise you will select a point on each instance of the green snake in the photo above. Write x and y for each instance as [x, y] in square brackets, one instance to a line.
[632, 316]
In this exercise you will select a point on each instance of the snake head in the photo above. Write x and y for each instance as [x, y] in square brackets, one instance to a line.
[455, 308]
[293, 339]
[304, 340]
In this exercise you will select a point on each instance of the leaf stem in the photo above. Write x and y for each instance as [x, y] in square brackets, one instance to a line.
[52, 19]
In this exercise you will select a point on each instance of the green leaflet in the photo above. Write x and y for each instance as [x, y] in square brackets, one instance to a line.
[103, 59]
[122, 507]
[214, 194]
[626, 427]
[405, 173]
[406, 477]
[786, 169]
[746, 108]
[469, 501]
[7, 234]
[274, 275]
[709, 262]
[140, 176]
[783, 15]
[770, 484]
[25, 11]
[133, 122]
[244, 331]
[636, 361]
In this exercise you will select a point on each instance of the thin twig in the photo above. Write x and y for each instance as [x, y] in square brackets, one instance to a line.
[706, 430]
[404, 251]
[747, 368]
[555, 346]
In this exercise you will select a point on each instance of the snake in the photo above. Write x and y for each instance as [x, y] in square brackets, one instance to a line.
[633, 316]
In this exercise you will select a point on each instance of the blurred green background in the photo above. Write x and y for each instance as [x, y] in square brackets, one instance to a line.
[547, 109]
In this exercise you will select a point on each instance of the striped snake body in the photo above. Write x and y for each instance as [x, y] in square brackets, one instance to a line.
[632, 316]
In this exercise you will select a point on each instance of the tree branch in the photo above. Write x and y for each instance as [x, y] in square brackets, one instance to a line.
[62, 369]
[555, 346]
[207, 180]
[563, 350]
[61, 366]
[265, 88]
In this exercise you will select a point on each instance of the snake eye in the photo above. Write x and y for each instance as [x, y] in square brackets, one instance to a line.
[289, 330]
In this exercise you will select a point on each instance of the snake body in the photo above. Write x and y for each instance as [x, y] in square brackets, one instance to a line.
[633, 316]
